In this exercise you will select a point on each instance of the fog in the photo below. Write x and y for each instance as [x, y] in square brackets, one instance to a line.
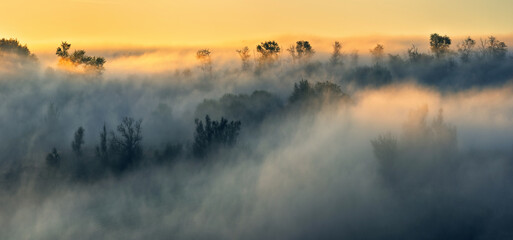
[367, 149]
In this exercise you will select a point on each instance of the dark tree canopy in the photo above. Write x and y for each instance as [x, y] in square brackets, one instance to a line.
[79, 57]
[268, 50]
[213, 135]
[305, 92]
[13, 46]
[302, 50]
[78, 141]
[439, 44]
[127, 146]
[250, 109]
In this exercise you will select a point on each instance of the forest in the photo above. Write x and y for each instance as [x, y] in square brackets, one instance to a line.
[281, 145]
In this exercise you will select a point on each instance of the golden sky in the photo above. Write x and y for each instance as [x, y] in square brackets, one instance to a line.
[195, 22]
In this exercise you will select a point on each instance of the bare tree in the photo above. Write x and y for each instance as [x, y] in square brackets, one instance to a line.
[245, 56]
[466, 48]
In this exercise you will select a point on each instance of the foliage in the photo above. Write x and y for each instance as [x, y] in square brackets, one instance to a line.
[465, 49]
[13, 46]
[377, 53]
[301, 51]
[126, 147]
[493, 48]
[268, 51]
[203, 55]
[78, 141]
[79, 57]
[214, 135]
[250, 109]
[244, 57]
[439, 44]
[336, 55]
[304, 92]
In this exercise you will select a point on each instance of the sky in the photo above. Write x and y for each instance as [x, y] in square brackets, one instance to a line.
[196, 22]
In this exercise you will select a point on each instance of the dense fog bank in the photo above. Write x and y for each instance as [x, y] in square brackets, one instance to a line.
[303, 149]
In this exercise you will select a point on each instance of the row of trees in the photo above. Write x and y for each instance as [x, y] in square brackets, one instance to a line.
[121, 149]
[302, 51]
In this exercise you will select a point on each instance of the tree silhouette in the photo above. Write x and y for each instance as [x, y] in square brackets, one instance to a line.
[53, 159]
[213, 135]
[465, 48]
[301, 51]
[336, 55]
[304, 92]
[13, 46]
[244, 57]
[78, 141]
[439, 44]
[102, 150]
[268, 51]
[203, 55]
[493, 48]
[78, 57]
[127, 146]
[377, 53]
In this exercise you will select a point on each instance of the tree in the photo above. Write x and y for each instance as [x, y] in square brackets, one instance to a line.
[244, 57]
[301, 51]
[101, 151]
[268, 51]
[127, 146]
[439, 44]
[79, 58]
[78, 141]
[203, 55]
[53, 159]
[385, 147]
[336, 56]
[321, 91]
[494, 48]
[377, 53]
[213, 135]
[13, 46]
[465, 48]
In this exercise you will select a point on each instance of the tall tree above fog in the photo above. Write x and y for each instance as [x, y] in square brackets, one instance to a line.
[268, 51]
[336, 55]
[79, 58]
[439, 44]
[301, 51]
[203, 55]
